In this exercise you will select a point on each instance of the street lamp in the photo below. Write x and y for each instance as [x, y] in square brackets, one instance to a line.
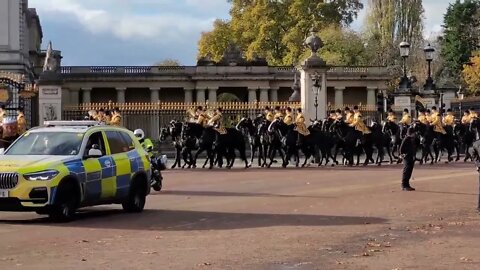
[429, 52]
[405, 83]
[316, 91]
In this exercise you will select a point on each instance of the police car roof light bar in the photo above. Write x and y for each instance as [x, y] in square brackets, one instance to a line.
[71, 123]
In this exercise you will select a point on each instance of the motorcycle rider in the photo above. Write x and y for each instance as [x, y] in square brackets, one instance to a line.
[145, 142]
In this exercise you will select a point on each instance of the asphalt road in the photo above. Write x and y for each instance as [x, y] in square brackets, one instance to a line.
[328, 218]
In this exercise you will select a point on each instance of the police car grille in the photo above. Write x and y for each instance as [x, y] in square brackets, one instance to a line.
[8, 180]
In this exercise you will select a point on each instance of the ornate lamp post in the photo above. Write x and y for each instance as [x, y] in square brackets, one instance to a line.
[429, 51]
[405, 83]
[316, 90]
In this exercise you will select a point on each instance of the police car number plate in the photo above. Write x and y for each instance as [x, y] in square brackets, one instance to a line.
[3, 193]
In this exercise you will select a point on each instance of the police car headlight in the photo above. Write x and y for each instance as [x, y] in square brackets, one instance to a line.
[41, 176]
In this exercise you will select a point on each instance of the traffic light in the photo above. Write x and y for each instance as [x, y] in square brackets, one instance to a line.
[380, 105]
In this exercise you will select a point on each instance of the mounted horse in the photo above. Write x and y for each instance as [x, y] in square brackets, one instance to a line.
[250, 130]
[174, 130]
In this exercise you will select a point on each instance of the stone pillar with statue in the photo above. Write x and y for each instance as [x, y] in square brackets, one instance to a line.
[313, 81]
[50, 90]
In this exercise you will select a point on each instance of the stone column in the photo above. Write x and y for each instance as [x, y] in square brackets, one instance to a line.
[274, 94]
[86, 92]
[121, 94]
[339, 97]
[212, 95]
[188, 95]
[264, 95]
[371, 97]
[307, 96]
[252, 95]
[154, 95]
[200, 95]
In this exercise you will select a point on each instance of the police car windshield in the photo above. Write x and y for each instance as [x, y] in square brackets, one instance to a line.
[47, 143]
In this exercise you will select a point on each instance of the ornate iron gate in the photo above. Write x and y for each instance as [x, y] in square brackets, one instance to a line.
[14, 93]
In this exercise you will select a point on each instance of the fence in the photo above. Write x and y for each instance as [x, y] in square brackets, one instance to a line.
[152, 116]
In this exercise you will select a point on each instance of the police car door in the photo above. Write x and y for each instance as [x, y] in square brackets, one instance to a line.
[93, 169]
[118, 181]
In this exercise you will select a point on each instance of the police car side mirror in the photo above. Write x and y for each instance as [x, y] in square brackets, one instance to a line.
[94, 153]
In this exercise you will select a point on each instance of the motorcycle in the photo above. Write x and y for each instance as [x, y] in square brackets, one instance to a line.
[158, 164]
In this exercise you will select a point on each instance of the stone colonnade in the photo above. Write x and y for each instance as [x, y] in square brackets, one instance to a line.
[201, 95]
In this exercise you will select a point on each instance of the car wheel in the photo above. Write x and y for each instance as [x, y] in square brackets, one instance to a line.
[136, 198]
[65, 205]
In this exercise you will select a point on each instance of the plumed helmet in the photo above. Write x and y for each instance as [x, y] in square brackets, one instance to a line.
[139, 134]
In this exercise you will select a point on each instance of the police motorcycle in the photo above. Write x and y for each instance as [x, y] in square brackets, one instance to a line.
[158, 164]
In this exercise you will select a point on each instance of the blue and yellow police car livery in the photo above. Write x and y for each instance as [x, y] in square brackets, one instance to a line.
[65, 165]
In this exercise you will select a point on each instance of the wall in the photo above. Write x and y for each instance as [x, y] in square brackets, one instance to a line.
[137, 95]
[103, 95]
[172, 95]
[355, 95]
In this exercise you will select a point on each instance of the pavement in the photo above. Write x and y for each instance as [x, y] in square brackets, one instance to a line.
[301, 219]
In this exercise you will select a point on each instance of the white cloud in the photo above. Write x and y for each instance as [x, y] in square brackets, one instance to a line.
[124, 23]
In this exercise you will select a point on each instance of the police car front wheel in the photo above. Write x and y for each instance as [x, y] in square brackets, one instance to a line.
[65, 204]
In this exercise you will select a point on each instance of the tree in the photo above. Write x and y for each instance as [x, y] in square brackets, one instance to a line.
[168, 63]
[390, 22]
[342, 47]
[461, 37]
[275, 30]
[213, 44]
[471, 74]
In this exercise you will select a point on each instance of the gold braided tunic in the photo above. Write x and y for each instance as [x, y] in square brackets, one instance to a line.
[278, 115]
[473, 116]
[217, 121]
[359, 125]
[21, 124]
[391, 118]
[116, 120]
[436, 122]
[301, 127]
[288, 120]
[349, 118]
[422, 118]
[406, 119]
[202, 119]
[449, 120]
[270, 117]
[466, 119]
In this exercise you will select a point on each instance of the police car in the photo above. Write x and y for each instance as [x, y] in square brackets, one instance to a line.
[65, 165]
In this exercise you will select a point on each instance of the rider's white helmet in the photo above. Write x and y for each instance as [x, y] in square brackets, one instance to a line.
[139, 134]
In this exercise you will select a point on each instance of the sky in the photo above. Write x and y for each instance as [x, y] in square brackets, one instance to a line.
[144, 32]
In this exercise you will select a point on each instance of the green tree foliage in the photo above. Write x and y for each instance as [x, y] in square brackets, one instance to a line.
[390, 22]
[275, 30]
[461, 23]
[342, 47]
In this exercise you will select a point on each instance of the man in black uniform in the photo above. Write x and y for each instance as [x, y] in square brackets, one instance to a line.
[408, 151]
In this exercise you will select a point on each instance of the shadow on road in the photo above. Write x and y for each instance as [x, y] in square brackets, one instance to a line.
[176, 220]
[232, 194]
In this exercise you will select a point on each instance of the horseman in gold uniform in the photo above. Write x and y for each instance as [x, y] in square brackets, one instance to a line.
[436, 122]
[422, 118]
[405, 122]
[449, 121]
[428, 116]
[116, 117]
[288, 119]
[348, 116]
[473, 115]
[278, 113]
[358, 123]
[466, 117]
[269, 116]
[202, 117]
[301, 127]
[217, 122]
[21, 122]
[391, 116]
